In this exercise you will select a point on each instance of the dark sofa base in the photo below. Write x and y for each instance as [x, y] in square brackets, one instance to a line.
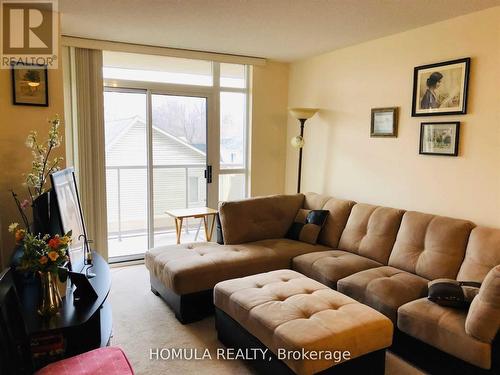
[434, 361]
[188, 308]
[233, 335]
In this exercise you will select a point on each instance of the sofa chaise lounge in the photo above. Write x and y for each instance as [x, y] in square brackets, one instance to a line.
[380, 256]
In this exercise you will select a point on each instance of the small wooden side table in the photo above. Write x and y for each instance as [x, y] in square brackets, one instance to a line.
[198, 212]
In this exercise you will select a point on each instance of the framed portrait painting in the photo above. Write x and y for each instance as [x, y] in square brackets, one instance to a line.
[441, 89]
[439, 138]
[30, 85]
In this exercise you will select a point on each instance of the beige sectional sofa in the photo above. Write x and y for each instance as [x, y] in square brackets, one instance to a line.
[382, 257]
[426, 247]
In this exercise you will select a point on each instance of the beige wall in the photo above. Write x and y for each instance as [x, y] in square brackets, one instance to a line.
[342, 160]
[269, 118]
[15, 159]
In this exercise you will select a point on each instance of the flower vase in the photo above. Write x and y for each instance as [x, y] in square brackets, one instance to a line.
[50, 299]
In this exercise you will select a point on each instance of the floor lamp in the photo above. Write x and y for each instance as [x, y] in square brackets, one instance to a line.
[301, 114]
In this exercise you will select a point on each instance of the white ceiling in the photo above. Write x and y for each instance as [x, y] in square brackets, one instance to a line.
[284, 30]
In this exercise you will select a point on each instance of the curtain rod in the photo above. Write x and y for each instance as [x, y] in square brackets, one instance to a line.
[107, 45]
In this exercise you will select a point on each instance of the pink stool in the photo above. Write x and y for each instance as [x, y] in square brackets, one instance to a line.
[105, 361]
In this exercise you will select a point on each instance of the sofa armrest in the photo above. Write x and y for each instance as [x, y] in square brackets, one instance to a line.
[483, 318]
[258, 218]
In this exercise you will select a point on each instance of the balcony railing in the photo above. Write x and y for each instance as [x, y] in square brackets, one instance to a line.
[127, 196]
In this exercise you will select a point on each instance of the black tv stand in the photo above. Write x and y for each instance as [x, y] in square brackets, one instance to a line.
[84, 326]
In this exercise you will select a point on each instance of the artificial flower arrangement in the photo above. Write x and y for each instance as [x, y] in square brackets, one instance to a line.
[41, 253]
[45, 256]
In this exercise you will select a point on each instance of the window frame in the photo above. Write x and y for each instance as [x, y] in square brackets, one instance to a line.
[246, 91]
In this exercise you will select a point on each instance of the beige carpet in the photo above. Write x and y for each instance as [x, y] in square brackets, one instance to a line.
[143, 321]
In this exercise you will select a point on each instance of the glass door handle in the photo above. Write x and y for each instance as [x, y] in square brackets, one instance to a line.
[208, 174]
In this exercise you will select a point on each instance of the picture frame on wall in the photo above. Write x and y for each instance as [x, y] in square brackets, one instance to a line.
[384, 122]
[441, 89]
[439, 138]
[30, 85]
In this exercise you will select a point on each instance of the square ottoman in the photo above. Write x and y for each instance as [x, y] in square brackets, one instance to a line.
[306, 327]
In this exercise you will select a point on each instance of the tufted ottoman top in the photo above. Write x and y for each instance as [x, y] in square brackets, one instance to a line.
[289, 311]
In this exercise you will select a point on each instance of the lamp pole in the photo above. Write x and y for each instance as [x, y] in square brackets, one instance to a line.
[302, 123]
[301, 114]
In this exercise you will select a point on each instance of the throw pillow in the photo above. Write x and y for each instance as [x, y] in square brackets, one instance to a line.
[307, 225]
[452, 293]
[218, 228]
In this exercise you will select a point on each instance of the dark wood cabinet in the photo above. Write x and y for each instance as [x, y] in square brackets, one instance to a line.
[84, 326]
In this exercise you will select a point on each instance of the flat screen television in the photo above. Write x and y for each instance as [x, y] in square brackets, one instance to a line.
[71, 216]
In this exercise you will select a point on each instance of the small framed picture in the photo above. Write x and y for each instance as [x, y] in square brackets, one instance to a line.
[439, 138]
[30, 85]
[441, 89]
[384, 122]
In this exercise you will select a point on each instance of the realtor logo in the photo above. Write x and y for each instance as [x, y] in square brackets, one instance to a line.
[29, 33]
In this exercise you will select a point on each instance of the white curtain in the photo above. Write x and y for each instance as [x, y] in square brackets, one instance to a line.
[85, 150]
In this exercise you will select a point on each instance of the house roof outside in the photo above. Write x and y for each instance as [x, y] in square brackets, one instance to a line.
[119, 136]
[124, 146]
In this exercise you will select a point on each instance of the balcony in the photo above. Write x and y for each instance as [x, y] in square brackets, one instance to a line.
[131, 230]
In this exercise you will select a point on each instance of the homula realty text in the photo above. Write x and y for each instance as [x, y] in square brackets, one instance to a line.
[249, 354]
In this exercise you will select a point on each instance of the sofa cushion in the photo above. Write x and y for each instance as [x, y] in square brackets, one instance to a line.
[315, 201]
[195, 267]
[430, 246]
[335, 224]
[287, 310]
[328, 267]
[443, 328]
[258, 218]
[483, 319]
[307, 225]
[384, 288]
[371, 231]
[482, 254]
[288, 249]
[190, 268]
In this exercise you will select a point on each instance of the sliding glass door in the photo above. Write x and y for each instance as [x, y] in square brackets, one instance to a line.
[126, 137]
[179, 147]
[156, 158]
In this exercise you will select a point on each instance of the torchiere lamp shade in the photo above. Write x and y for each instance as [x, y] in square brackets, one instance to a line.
[303, 113]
